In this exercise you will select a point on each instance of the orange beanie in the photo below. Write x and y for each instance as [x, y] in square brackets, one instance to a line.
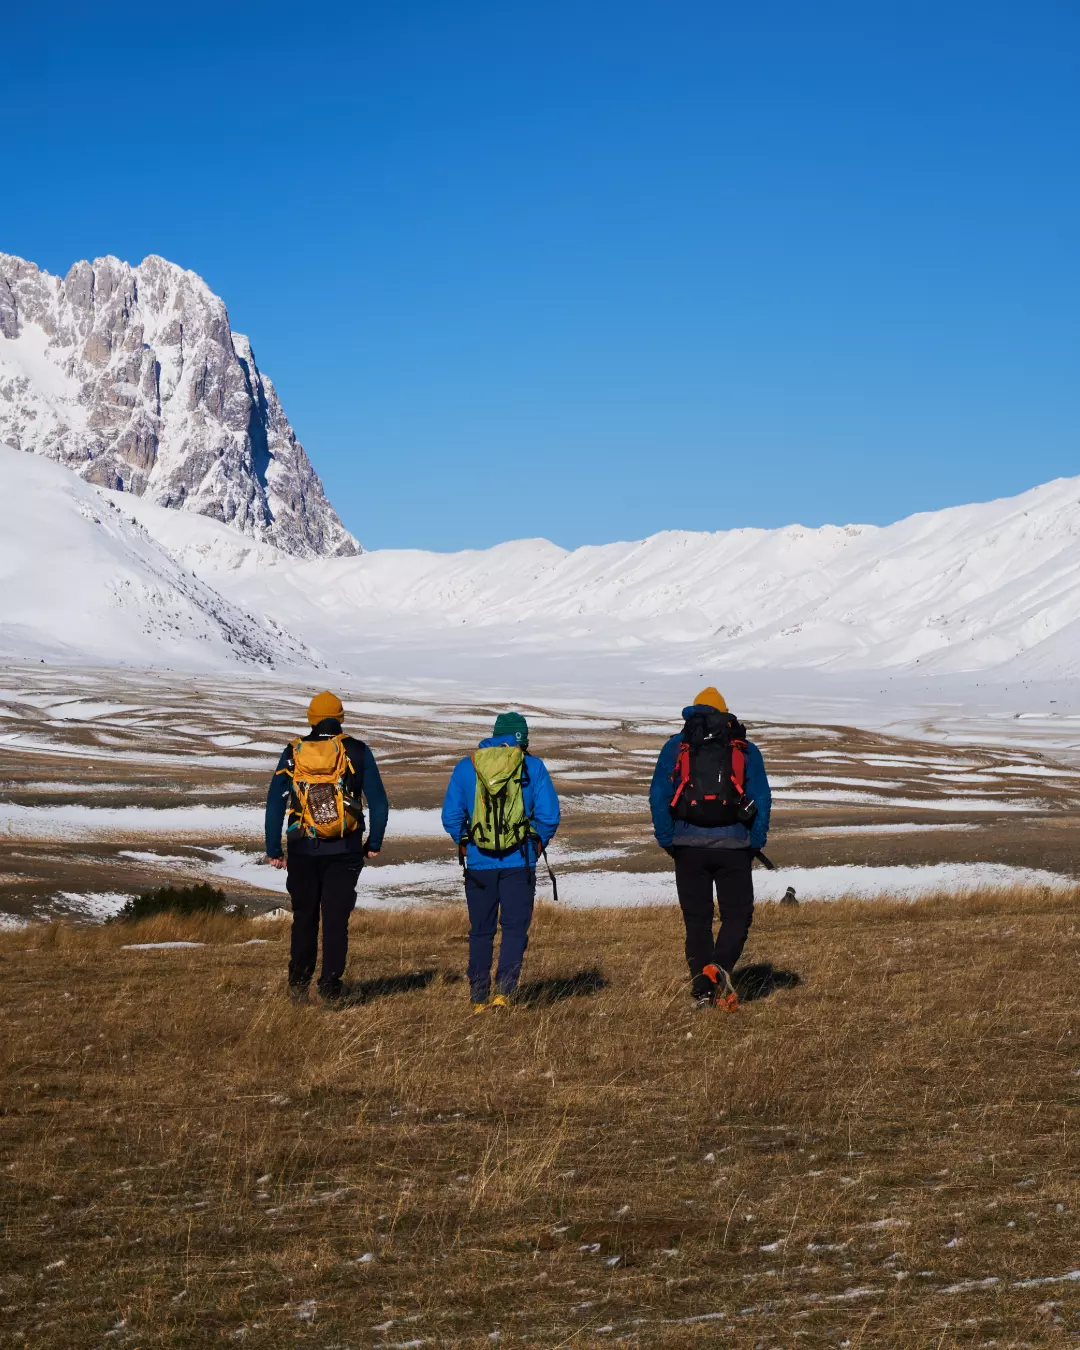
[713, 698]
[324, 705]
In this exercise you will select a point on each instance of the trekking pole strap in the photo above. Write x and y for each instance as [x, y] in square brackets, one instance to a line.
[551, 876]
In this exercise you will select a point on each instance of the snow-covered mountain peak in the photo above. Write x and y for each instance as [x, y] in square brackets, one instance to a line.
[133, 377]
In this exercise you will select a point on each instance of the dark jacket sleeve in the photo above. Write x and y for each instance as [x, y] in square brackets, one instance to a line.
[378, 804]
[277, 801]
[660, 793]
[757, 786]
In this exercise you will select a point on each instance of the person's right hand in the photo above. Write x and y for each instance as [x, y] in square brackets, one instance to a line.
[277, 862]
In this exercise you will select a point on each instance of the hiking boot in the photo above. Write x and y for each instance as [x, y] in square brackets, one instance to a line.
[500, 1001]
[299, 990]
[331, 991]
[725, 997]
[702, 991]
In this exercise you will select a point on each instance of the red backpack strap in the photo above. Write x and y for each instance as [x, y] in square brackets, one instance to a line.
[681, 774]
[738, 766]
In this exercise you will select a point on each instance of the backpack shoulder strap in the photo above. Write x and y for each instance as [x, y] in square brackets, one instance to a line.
[290, 762]
[355, 750]
[680, 775]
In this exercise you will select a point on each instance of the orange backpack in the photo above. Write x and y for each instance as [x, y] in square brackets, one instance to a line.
[319, 807]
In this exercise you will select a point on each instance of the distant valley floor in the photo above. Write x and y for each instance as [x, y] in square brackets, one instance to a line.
[115, 781]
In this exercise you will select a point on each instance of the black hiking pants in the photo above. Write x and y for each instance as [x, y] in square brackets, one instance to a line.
[698, 871]
[321, 886]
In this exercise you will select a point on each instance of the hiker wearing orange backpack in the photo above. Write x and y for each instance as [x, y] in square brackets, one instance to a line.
[710, 803]
[321, 782]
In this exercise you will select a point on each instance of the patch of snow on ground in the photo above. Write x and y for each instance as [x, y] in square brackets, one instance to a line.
[582, 890]
[974, 803]
[157, 946]
[617, 803]
[101, 822]
[81, 710]
[93, 904]
[416, 822]
[138, 855]
[909, 827]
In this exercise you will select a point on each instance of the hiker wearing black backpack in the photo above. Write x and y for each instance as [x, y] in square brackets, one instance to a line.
[710, 803]
[320, 784]
[501, 810]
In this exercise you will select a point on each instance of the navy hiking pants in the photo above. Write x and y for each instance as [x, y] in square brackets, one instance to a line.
[498, 897]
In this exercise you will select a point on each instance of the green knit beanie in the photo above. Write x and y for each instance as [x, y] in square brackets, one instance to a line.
[512, 724]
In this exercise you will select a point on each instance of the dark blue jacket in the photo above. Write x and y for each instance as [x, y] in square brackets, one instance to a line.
[538, 794]
[669, 831]
[277, 802]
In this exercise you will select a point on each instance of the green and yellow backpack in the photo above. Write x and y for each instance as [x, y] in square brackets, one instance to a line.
[499, 822]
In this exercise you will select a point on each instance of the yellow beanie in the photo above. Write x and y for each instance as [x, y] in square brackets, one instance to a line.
[324, 705]
[713, 698]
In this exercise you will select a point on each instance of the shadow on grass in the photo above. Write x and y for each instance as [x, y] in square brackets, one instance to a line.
[365, 991]
[540, 993]
[761, 980]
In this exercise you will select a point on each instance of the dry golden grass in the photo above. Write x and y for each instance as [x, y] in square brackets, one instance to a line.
[882, 1154]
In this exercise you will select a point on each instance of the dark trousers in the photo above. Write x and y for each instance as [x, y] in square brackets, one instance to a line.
[503, 897]
[323, 887]
[698, 871]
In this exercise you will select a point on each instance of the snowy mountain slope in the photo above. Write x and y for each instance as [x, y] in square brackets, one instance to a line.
[990, 587]
[82, 581]
[132, 377]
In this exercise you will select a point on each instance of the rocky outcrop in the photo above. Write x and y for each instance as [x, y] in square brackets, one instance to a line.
[133, 377]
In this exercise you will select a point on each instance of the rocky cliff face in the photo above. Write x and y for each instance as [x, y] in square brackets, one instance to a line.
[132, 377]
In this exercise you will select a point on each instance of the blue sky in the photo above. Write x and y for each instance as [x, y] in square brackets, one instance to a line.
[591, 270]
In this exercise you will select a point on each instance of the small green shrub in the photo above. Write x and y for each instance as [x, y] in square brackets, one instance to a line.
[201, 899]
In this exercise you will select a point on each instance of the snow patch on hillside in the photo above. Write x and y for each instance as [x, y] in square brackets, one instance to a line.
[82, 580]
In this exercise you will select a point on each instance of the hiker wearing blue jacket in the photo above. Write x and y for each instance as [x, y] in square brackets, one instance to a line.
[501, 810]
[710, 803]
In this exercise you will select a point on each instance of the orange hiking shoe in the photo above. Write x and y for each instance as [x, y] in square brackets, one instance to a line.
[726, 999]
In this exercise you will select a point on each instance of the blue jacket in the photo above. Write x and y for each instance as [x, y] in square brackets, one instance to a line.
[539, 797]
[669, 831]
[277, 803]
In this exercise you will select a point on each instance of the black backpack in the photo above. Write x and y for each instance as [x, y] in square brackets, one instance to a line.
[708, 785]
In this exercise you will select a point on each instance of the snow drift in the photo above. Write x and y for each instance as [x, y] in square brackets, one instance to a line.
[82, 580]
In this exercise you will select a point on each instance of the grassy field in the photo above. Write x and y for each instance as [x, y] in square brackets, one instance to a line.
[878, 1149]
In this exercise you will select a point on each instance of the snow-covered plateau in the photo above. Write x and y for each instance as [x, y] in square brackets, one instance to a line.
[986, 592]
